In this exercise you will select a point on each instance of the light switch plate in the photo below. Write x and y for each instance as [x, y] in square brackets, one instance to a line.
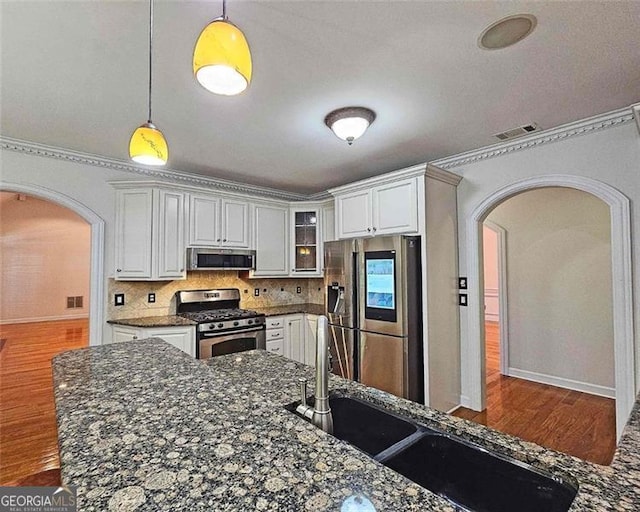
[462, 299]
[256, 292]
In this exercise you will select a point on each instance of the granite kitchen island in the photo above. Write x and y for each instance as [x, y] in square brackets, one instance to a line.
[143, 426]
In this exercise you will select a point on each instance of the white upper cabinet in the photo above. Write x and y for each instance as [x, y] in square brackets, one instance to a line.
[329, 223]
[134, 212]
[235, 223]
[204, 221]
[354, 214]
[271, 241]
[149, 238]
[170, 235]
[218, 222]
[306, 242]
[383, 205]
[395, 208]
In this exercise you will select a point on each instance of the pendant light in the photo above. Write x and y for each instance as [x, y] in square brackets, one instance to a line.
[147, 145]
[350, 123]
[221, 58]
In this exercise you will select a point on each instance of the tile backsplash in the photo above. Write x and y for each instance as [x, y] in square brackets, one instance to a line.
[273, 292]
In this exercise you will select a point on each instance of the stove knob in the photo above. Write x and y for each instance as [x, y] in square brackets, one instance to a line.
[249, 322]
[220, 325]
[236, 323]
[212, 326]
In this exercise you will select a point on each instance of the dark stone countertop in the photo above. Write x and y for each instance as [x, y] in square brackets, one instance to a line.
[154, 321]
[142, 426]
[291, 309]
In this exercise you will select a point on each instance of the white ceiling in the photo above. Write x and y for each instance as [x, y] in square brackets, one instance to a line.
[74, 75]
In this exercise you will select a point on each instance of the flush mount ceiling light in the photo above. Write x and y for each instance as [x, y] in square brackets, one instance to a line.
[349, 123]
[147, 145]
[507, 31]
[221, 58]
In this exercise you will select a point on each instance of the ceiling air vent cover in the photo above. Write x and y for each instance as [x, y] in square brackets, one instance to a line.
[518, 132]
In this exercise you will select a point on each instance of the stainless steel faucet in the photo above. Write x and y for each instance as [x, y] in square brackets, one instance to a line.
[320, 413]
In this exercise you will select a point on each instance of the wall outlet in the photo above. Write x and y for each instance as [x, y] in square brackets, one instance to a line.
[118, 299]
[298, 289]
[151, 297]
[256, 292]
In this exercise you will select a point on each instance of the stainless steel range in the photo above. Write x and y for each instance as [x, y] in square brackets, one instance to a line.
[223, 328]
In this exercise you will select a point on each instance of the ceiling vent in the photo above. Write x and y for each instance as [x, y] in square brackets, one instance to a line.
[518, 132]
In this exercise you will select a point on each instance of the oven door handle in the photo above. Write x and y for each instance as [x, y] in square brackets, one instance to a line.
[216, 334]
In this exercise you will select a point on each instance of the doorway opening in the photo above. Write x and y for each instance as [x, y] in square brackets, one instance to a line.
[473, 361]
[49, 260]
[554, 371]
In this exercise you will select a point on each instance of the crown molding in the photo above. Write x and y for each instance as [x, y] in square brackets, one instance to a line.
[171, 175]
[441, 175]
[563, 132]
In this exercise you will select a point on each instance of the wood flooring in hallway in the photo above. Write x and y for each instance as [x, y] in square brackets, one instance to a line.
[567, 421]
[28, 433]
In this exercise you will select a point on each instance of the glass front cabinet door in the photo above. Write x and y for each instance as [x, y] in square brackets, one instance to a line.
[306, 242]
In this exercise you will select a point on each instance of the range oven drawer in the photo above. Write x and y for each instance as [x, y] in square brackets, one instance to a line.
[229, 343]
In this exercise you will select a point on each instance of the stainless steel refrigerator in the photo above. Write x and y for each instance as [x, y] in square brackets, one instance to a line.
[374, 304]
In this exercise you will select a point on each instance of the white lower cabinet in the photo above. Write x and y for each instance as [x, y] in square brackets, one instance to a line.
[182, 337]
[311, 327]
[293, 336]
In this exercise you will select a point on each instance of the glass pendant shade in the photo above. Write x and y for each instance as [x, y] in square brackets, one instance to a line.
[148, 146]
[222, 59]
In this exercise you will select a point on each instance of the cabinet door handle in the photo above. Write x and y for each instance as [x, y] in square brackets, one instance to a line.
[135, 337]
[374, 228]
[218, 240]
[369, 230]
[181, 270]
[118, 270]
[225, 240]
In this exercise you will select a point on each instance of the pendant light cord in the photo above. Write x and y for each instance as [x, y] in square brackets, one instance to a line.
[150, 52]
[224, 9]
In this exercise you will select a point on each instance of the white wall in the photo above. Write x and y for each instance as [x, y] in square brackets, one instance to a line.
[559, 281]
[44, 258]
[490, 266]
[610, 155]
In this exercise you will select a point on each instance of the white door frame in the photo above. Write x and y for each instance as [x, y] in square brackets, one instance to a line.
[96, 288]
[473, 347]
[503, 312]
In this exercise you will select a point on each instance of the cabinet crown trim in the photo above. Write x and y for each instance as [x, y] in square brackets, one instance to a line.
[390, 177]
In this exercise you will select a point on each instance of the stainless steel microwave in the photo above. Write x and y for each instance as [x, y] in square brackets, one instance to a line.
[200, 258]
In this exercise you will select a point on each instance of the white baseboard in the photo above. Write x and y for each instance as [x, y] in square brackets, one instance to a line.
[585, 387]
[465, 402]
[454, 409]
[43, 319]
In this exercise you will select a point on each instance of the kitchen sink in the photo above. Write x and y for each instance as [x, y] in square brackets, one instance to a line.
[366, 426]
[478, 480]
[469, 476]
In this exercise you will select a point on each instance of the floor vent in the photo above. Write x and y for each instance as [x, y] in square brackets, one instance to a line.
[518, 132]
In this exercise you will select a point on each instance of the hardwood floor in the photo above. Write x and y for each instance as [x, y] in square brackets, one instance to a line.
[28, 433]
[567, 421]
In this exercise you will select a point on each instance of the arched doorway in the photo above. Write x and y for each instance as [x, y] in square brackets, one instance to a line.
[96, 284]
[473, 348]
